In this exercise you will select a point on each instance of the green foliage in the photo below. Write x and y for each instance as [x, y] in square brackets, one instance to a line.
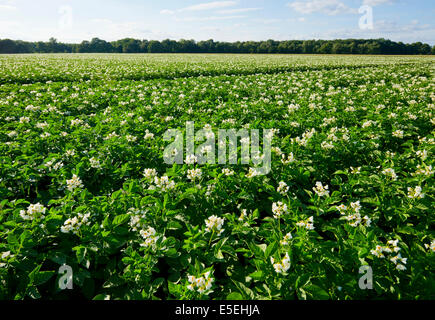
[129, 45]
[78, 133]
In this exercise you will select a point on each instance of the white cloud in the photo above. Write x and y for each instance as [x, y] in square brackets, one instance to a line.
[209, 6]
[241, 10]
[166, 11]
[295, 20]
[229, 13]
[110, 30]
[382, 29]
[267, 21]
[395, 28]
[101, 21]
[7, 7]
[212, 29]
[9, 25]
[206, 6]
[212, 18]
[376, 2]
[329, 7]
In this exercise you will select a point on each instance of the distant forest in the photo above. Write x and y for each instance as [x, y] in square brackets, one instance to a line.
[128, 45]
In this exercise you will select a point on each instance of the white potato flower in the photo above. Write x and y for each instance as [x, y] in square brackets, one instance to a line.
[194, 174]
[321, 190]
[415, 193]
[286, 240]
[307, 224]
[389, 172]
[148, 135]
[252, 173]
[202, 284]
[95, 163]
[214, 223]
[74, 183]
[150, 237]
[32, 211]
[422, 154]
[290, 158]
[398, 134]
[228, 172]
[278, 209]
[74, 224]
[281, 266]
[164, 183]
[430, 246]
[150, 173]
[390, 248]
[191, 159]
[283, 188]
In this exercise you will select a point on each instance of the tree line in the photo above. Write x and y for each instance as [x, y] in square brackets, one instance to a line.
[129, 45]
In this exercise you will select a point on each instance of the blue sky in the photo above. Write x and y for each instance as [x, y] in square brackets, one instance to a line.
[229, 20]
